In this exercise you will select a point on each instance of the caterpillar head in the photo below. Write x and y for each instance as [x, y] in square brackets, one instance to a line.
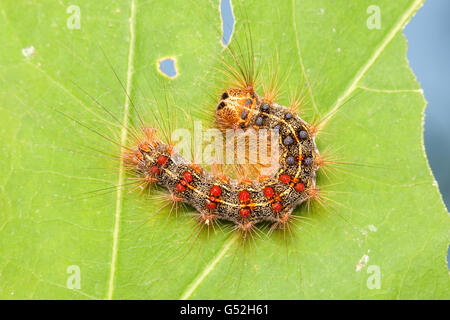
[235, 108]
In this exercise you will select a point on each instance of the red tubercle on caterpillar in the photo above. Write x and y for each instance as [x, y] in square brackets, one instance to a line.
[162, 160]
[268, 192]
[216, 191]
[285, 178]
[155, 170]
[244, 196]
[187, 176]
[180, 188]
[299, 187]
[277, 206]
[211, 205]
[244, 212]
[184, 182]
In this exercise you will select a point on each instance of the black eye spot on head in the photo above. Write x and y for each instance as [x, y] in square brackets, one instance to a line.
[242, 125]
[244, 114]
[224, 96]
[265, 107]
[221, 105]
[288, 116]
[248, 102]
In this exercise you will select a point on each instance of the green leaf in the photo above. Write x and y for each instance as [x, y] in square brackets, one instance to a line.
[386, 213]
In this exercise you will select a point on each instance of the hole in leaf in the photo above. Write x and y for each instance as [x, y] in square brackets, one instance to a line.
[167, 67]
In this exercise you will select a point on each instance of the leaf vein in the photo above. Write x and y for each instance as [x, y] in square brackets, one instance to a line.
[369, 63]
[123, 138]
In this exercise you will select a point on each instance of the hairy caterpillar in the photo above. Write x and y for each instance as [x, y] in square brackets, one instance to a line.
[244, 203]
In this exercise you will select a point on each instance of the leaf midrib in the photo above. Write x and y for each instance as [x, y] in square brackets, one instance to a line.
[123, 139]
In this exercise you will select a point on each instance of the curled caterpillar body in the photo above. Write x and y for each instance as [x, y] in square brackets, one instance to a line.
[243, 203]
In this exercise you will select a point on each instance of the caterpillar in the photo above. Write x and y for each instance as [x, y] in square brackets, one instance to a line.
[244, 203]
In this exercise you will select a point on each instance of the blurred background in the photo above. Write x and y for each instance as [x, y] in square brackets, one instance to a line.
[428, 35]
